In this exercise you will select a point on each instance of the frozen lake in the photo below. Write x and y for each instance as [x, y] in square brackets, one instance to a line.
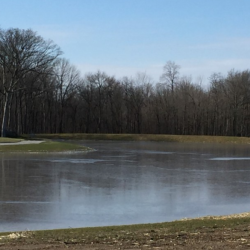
[123, 183]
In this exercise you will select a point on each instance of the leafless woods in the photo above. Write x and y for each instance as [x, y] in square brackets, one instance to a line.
[41, 92]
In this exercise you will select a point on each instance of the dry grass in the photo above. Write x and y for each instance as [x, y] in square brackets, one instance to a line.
[226, 229]
[149, 137]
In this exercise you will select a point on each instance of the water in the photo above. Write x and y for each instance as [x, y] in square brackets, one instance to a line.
[122, 183]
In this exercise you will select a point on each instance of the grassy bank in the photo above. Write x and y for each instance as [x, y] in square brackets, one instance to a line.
[9, 140]
[149, 137]
[146, 235]
[46, 146]
[91, 234]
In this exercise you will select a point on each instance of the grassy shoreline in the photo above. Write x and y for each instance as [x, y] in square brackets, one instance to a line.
[47, 146]
[51, 145]
[10, 140]
[148, 137]
[140, 234]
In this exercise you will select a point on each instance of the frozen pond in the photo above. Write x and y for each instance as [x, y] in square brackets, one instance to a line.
[123, 183]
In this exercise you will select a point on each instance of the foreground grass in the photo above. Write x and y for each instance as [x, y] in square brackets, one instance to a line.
[143, 234]
[149, 137]
[46, 146]
[92, 234]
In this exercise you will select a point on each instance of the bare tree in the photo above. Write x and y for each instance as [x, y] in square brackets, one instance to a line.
[22, 52]
[67, 79]
[170, 74]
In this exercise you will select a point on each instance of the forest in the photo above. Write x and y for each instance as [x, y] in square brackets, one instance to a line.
[42, 92]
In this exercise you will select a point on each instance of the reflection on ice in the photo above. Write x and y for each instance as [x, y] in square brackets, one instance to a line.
[152, 152]
[76, 161]
[230, 159]
[26, 202]
[122, 183]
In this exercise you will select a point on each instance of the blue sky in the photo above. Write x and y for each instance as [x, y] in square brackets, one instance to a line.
[124, 37]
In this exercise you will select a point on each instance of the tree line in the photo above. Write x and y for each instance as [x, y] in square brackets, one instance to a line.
[41, 92]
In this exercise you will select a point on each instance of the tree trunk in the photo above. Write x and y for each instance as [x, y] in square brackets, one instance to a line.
[6, 103]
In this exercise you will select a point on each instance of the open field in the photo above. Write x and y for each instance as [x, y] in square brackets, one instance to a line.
[149, 137]
[203, 233]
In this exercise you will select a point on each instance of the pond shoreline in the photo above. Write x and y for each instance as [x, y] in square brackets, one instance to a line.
[220, 232]
[42, 146]
[146, 137]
